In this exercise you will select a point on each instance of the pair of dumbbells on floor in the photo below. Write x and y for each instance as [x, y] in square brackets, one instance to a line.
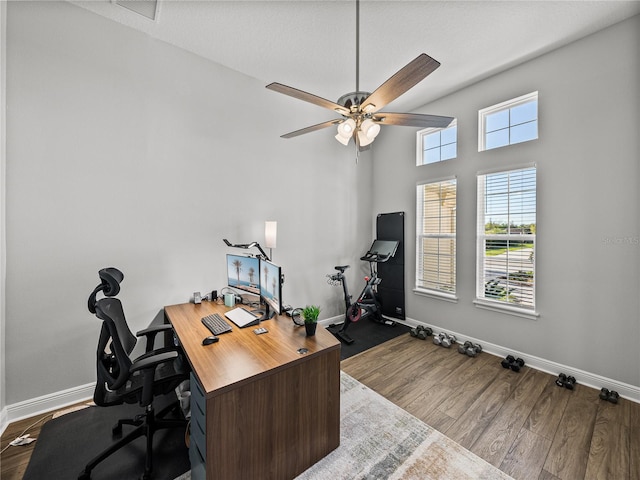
[566, 381]
[610, 396]
[470, 349]
[444, 339]
[421, 332]
[513, 363]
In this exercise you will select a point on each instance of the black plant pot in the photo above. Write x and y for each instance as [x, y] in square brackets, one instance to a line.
[310, 328]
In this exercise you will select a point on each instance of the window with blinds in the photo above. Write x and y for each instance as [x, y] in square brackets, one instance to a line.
[436, 237]
[506, 237]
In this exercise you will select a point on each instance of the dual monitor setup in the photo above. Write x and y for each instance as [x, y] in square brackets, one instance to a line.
[257, 276]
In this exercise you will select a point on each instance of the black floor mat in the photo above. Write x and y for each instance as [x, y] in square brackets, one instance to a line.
[367, 334]
[67, 443]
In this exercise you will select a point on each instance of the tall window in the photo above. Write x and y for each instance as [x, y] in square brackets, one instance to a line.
[437, 144]
[513, 121]
[436, 237]
[506, 238]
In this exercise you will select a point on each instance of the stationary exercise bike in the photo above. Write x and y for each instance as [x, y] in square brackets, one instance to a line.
[368, 302]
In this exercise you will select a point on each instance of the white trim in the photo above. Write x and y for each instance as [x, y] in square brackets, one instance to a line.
[630, 392]
[507, 104]
[508, 309]
[449, 297]
[511, 168]
[428, 131]
[50, 402]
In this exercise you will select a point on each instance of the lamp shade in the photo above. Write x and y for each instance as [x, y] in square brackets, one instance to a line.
[368, 132]
[270, 233]
[345, 131]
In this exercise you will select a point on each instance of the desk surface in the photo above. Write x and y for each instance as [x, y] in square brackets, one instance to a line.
[241, 355]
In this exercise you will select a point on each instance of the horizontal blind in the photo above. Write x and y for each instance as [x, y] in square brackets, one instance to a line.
[506, 237]
[436, 236]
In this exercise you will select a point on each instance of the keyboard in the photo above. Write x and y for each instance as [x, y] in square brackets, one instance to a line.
[216, 324]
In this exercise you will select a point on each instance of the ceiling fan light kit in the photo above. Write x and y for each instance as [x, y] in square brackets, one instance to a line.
[361, 110]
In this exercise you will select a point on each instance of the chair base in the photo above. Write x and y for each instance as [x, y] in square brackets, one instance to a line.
[149, 426]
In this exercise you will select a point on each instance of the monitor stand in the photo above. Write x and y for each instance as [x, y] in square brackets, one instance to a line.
[266, 314]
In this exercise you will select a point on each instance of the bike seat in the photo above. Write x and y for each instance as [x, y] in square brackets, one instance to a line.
[341, 268]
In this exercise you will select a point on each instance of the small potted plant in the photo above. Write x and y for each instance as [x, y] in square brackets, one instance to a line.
[310, 315]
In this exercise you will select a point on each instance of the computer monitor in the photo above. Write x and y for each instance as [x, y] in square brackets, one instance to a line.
[271, 288]
[243, 273]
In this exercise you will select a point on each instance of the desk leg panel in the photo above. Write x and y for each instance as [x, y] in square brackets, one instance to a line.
[278, 425]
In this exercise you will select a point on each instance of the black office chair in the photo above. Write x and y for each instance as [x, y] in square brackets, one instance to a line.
[123, 380]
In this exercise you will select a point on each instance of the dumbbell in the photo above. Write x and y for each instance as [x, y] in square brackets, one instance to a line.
[421, 332]
[517, 365]
[566, 381]
[514, 364]
[471, 349]
[508, 360]
[611, 396]
[448, 340]
[444, 339]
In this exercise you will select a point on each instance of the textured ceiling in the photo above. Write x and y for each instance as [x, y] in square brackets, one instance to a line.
[310, 45]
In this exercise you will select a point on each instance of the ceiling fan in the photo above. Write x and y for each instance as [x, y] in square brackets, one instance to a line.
[360, 111]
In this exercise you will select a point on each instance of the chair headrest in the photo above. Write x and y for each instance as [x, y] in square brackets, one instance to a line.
[111, 278]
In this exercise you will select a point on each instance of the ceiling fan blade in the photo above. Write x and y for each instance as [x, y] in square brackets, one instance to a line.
[312, 128]
[404, 79]
[412, 120]
[308, 97]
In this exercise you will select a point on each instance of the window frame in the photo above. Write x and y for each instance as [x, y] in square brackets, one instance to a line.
[503, 106]
[420, 235]
[481, 236]
[429, 131]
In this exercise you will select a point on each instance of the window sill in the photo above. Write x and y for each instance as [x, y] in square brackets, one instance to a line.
[508, 309]
[449, 297]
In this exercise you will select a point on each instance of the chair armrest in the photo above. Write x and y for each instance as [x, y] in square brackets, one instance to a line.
[152, 361]
[150, 334]
[147, 367]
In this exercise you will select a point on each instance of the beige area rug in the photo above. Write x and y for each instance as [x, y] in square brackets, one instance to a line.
[379, 440]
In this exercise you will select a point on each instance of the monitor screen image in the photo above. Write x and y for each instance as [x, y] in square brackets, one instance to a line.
[243, 273]
[271, 286]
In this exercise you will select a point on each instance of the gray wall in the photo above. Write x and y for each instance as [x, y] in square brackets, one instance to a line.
[126, 151]
[588, 234]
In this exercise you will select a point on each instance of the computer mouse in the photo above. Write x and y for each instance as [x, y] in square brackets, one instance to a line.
[209, 340]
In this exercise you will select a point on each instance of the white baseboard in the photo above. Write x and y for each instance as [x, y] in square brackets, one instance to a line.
[46, 403]
[630, 392]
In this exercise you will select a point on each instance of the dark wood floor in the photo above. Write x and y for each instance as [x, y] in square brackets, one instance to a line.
[522, 423]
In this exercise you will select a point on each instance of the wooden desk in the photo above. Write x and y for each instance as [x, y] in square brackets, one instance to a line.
[267, 411]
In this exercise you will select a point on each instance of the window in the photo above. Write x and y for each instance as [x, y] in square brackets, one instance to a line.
[437, 144]
[506, 238]
[436, 237]
[510, 122]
